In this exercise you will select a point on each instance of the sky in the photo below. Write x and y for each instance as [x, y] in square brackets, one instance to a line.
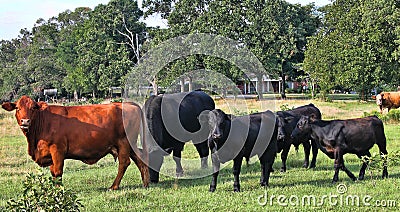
[19, 14]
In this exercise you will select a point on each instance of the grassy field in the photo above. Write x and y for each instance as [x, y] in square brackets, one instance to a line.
[294, 190]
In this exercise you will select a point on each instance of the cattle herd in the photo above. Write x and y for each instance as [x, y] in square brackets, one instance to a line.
[88, 133]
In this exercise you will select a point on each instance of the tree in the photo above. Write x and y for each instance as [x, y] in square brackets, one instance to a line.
[274, 31]
[356, 48]
[97, 47]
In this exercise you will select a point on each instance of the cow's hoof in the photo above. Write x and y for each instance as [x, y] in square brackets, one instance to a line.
[385, 174]
[212, 189]
[312, 166]
[283, 170]
[236, 190]
[354, 178]
[154, 181]
[271, 170]
[264, 184]
[113, 188]
[179, 174]
[361, 177]
[305, 165]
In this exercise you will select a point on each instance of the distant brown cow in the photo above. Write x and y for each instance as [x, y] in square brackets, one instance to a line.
[85, 133]
[388, 100]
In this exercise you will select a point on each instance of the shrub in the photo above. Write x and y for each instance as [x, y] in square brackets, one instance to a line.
[43, 193]
[286, 107]
[117, 100]
[376, 161]
[392, 116]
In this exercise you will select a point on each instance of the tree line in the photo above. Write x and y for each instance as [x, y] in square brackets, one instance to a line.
[350, 44]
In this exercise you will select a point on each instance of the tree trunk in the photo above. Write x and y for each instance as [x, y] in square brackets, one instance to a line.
[155, 86]
[259, 86]
[190, 84]
[182, 84]
[283, 92]
[312, 89]
[76, 95]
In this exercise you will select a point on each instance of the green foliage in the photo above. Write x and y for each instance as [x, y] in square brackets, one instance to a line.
[377, 161]
[355, 47]
[237, 112]
[117, 100]
[392, 116]
[274, 31]
[82, 51]
[286, 107]
[42, 193]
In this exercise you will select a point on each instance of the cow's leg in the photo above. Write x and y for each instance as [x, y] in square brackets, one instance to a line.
[314, 147]
[364, 166]
[57, 156]
[142, 166]
[123, 163]
[237, 165]
[337, 165]
[216, 165]
[383, 152]
[177, 158]
[202, 149]
[348, 172]
[156, 159]
[284, 155]
[266, 165]
[307, 148]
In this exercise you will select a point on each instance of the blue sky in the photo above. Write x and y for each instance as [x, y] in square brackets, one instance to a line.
[19, 14]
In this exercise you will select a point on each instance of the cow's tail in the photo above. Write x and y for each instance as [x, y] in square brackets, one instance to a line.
[141, 156]
[145, 153]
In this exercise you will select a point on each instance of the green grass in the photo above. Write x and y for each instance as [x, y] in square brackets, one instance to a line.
[171, 194]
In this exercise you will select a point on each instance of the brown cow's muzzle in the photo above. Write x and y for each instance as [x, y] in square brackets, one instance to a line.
[25, 123]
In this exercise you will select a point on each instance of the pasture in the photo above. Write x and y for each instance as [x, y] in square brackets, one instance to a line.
[298, 189]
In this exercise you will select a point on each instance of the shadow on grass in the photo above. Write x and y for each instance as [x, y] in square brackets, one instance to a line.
[251, 175]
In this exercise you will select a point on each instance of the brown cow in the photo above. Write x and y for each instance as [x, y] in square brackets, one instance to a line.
[85, 133]
[388, 100]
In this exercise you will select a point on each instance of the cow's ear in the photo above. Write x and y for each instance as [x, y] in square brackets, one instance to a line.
[312, 118]
[9, 106]
[42, 105]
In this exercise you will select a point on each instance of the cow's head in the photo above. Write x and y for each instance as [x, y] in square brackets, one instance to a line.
[283, 122]
[218, 121]
[302, 127]
[26, 110]
[379, 99]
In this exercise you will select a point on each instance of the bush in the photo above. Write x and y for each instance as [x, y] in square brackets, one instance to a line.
[42, 193]
[392, 116]
[96, 100]
[117, 100]
[286, 107]
[376, 161]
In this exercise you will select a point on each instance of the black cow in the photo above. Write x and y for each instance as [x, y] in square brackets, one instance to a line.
[172, 120]
[287, 121]
[338, 137]
[243, 136]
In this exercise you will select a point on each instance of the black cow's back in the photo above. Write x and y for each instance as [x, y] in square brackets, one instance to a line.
[163, 112]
